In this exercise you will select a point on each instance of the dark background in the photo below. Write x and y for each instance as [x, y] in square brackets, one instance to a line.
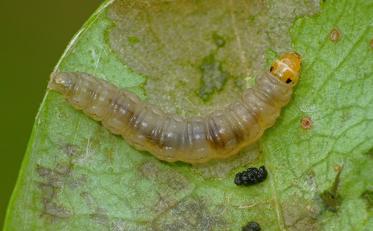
[33, 35]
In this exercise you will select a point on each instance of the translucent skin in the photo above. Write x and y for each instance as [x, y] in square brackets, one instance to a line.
[219, 135]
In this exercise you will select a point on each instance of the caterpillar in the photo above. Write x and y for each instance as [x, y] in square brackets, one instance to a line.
[217, 135]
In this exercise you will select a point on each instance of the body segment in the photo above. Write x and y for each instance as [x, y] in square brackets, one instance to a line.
[219, 134]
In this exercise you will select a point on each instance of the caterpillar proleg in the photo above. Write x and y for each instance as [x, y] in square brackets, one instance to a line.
[217, 135]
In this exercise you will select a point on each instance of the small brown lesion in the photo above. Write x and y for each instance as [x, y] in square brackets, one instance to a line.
[306, 122]
[371, 43]
[335, 35]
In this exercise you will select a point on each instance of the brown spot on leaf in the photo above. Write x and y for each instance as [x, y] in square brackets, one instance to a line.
[371, 43]
[306, 122]
[335, 35]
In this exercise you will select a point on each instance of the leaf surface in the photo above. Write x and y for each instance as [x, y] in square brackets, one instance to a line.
[191, 57]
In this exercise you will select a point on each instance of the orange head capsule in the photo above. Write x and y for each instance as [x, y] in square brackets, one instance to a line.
[287, 68]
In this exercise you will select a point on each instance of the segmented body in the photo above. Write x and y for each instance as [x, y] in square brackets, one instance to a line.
[220, 134]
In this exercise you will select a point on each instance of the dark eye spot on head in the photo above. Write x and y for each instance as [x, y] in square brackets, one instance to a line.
[271, 69]
[288, 81]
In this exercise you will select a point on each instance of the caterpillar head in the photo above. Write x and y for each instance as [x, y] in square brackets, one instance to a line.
[287, 68]
[61, 82]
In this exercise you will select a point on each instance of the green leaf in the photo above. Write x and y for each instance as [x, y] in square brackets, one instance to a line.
[189, 57]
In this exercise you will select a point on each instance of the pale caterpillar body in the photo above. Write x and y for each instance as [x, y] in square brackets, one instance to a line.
[219, 134]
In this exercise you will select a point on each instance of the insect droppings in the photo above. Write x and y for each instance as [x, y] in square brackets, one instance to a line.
[217, 135]
[251, 176]
[251, 226]
[335, 35]
[306, 122]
